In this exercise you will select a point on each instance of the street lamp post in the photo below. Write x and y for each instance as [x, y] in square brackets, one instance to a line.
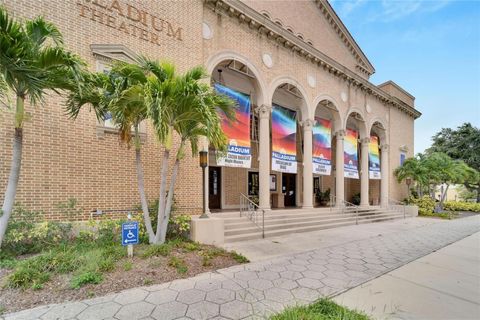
[203, 165]
[408, 181]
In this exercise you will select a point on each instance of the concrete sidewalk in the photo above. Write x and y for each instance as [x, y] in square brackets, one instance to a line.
[272, 247]
[442, 285]
[259, 289]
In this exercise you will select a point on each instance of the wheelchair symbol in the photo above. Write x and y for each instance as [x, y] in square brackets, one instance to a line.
[130, 234]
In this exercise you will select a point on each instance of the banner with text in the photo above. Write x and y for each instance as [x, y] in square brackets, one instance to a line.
[374, 159]
[322, 146]
[237, 132]
[350, 154]
[284, 140]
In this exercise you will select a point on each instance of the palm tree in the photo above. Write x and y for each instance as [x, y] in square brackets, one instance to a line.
[412, 168]
[185, 105]
[132, 93]
[120, 95]
[32, 61]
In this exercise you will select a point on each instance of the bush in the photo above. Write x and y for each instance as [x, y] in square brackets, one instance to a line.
[156, 250]
[426, 205]
[356, 199]
[37, 270]
[179, 227]
[86, 278]
[178, 264]
[24, 235]
[461, 206]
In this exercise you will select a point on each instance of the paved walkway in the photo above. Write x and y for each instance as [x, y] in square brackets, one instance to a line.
[442, 285]
[259, 289]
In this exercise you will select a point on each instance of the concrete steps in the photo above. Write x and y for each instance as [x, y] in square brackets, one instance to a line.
[281, 222]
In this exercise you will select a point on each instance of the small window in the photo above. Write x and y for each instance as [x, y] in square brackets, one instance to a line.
[402, 158]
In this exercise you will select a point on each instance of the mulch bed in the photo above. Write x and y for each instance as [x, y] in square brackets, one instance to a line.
[144, 272]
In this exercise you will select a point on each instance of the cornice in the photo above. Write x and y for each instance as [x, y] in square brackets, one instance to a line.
[342, 31]
[254, 20]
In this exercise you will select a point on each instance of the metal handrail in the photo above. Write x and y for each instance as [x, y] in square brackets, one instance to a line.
[343, 205]
[393, 204]
[251, 209]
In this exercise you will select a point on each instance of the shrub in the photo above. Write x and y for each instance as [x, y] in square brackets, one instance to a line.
[356, 199]
[190, 246]
[106, 265]
[24, 235]
[37, 270]
[179, 227]
[239, 257]
[156, 250]
[178, 264]
[86, 278]
[426, 205]
[461, 206]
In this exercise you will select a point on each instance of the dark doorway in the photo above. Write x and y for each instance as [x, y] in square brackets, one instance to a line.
[253, 184]
[289, 189]
[214, 188]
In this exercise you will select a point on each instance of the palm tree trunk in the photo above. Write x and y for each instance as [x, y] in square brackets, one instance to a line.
[443, 196]
[162, 195]
[168, 207]
[143, 197]
[14, 176]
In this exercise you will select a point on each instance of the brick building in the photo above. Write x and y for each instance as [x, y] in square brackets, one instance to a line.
[297, 55]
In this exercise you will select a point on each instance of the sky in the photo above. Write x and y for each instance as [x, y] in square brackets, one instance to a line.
[431, 48]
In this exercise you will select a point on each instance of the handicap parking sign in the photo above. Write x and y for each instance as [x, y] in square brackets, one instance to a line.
[130, 233]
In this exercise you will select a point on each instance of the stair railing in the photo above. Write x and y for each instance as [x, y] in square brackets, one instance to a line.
[398, 206]
[252, 211]
[344, 206]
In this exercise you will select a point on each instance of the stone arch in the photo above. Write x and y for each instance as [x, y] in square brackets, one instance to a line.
[261, 88]
[362, 124]
[382, 131]
[337, 117]
[304, 107]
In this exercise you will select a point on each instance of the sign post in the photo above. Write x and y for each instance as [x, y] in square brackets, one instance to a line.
[130, 235]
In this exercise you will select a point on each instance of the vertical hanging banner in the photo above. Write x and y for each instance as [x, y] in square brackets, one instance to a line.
[237, 132]
[374, 159]
[284, 140]
[322, 146]
[350, 154]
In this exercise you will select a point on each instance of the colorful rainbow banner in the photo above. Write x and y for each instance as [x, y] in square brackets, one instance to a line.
[350, 154]
[322, 146]
[374, 159]
[284, 140]
[237, 132]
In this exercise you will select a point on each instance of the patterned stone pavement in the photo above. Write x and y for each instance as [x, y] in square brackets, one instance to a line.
[256, 290]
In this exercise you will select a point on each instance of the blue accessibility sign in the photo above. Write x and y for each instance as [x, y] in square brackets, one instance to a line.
[130, 233]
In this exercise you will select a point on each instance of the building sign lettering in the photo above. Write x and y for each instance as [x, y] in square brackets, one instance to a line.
[129, 19]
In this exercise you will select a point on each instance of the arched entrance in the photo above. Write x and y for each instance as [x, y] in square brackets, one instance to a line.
[289, 124]
[326, 123]
[356, 143]
[378, 165]
[235, 174]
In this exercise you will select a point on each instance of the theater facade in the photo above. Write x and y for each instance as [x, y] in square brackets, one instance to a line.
[309, 119]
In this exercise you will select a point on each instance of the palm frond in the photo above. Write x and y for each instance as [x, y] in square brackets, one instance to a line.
[39, 30]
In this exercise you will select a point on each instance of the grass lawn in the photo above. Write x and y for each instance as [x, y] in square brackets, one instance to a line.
[80, 270]
[323, 309]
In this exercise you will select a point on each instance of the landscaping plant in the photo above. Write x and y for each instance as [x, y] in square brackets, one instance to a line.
[180, 107]
[33, 62]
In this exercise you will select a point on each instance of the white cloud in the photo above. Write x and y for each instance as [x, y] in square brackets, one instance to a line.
[398, 9]
[387, 10]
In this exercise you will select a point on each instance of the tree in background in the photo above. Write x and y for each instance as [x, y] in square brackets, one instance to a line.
[463, 144]
[32, 62]
[414, 169]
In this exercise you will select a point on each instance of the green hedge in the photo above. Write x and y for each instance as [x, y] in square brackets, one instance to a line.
[426, 205]
[461, 206]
